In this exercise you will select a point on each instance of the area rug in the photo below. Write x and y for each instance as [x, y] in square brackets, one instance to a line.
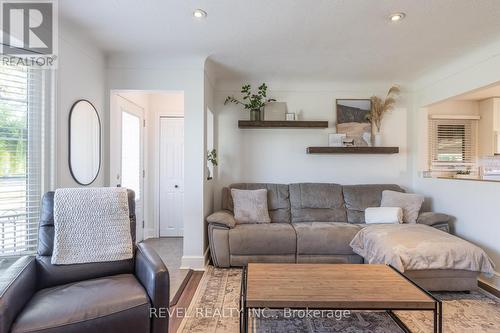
[215, 306]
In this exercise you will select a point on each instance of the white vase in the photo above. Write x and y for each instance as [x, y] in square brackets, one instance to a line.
[377, 139]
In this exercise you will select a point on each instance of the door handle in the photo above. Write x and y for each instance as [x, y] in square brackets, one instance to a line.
[176, 186]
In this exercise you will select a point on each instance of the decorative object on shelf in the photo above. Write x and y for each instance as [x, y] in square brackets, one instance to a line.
[348, 142]
[352, 119]
[379, 108]
[377, 139]
[336, 140]
[212, 158]
[368, 138]
[290, 116]
[275, 111]
[254, 102]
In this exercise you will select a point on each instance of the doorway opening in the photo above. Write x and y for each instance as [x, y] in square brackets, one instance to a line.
[146, 153]
[147, 156]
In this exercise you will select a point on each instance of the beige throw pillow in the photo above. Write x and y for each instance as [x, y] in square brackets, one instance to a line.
[409, 202]
[222, 217]
[250, 206]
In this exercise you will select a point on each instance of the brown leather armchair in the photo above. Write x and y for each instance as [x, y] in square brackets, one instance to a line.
[118, 296]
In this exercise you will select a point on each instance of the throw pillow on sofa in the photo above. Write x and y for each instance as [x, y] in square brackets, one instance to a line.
[409, 202]
[383, 215]
[250, 206]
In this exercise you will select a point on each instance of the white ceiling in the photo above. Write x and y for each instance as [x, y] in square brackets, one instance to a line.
[340, 40]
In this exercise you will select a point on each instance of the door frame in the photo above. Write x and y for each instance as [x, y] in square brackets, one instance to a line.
[115, 155]
[163, 114]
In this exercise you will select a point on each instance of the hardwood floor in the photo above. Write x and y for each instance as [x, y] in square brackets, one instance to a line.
[184, 301]
[492, 290]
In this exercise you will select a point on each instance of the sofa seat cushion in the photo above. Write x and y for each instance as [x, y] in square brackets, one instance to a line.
[322, 238]
[111, 304]
[262, 238]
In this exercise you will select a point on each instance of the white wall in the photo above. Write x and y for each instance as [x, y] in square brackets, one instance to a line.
[473, 204]
[209, 184]
[279, 155]
[159, 74]
[80, 75]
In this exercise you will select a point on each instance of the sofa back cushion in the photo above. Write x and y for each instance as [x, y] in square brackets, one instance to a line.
[317, 202]
[278, 199]
[359, 197]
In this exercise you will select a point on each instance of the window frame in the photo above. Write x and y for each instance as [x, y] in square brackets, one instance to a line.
[449, 126]
[39, 169]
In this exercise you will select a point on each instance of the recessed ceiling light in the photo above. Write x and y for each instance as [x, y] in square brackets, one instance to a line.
[397, 17]
[200, 13]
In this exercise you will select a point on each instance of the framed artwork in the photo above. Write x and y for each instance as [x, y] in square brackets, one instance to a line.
[352, 120]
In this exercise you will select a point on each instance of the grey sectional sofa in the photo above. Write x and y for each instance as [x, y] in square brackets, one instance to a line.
[314, 223]
[310, 222]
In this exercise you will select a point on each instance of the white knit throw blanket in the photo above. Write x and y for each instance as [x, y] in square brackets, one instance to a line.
[91, 225]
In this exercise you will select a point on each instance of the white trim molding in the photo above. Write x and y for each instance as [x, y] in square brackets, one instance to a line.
[454, 116]
[196, 263]
[149, 233]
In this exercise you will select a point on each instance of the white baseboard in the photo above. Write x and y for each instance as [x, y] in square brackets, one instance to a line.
[492, 281]
[149, 233]
[196, 263]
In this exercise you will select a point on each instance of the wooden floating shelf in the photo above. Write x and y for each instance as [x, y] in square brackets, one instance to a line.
[282, 124]
[352, 150]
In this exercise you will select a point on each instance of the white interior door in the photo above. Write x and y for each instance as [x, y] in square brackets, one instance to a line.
[171, 176]
[132, 156]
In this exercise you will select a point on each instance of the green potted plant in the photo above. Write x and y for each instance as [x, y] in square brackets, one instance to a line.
[212, 158]
[254, 102]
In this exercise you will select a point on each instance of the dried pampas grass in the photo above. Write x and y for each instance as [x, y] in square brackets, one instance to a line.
[381, 106]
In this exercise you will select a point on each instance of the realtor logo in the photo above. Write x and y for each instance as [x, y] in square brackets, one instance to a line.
[29, 30]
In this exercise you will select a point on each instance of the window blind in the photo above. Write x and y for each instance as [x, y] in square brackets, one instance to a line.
[453, 144]
[24, 119]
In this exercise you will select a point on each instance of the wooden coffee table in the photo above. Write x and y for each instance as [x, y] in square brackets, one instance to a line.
[334, 287]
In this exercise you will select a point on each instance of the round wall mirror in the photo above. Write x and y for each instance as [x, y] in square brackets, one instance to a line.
[84, 142]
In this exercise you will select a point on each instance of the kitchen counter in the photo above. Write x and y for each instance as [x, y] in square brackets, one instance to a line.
[472, 179]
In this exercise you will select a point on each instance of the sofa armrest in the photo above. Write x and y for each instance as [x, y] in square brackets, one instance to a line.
[17, 286]
[430, 218]
[218, 239]
[153, 275]
[222, 217]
